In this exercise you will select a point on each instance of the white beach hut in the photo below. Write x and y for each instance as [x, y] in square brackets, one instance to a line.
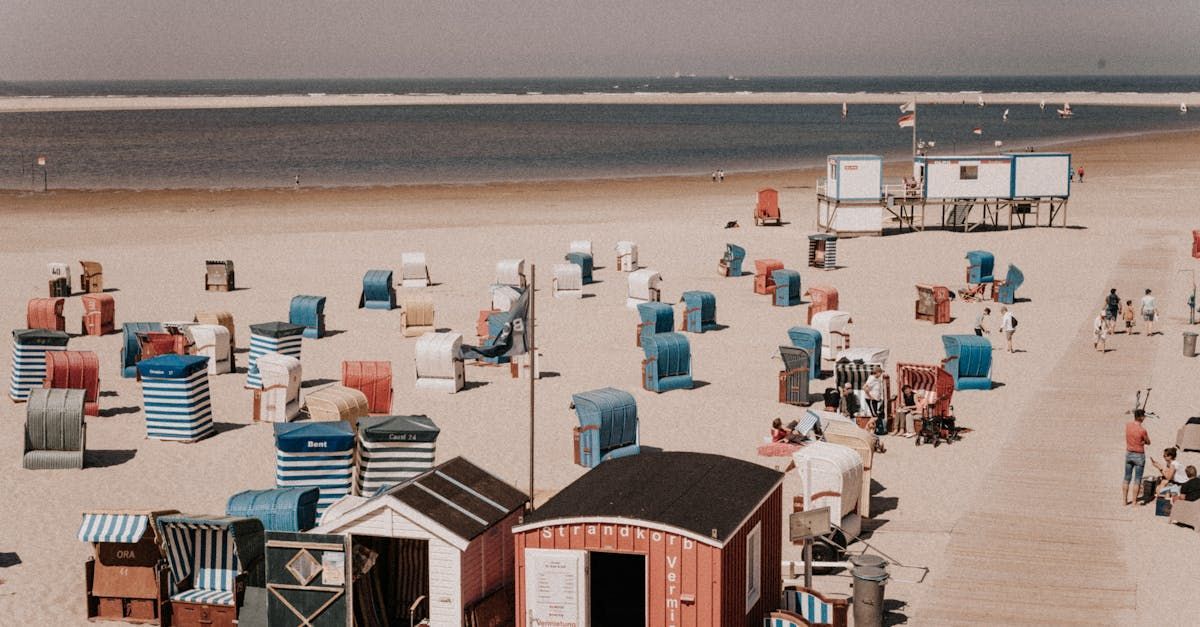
[850, 197]
[645, 286]
[831, 476]
[212, 341]
[1041, 175]
[568, 280]
[439, 362]
[953, 177]
[511, 272]
[834, 326]
[414, 272]
[581, 246]
[627, 256]
[279, 398]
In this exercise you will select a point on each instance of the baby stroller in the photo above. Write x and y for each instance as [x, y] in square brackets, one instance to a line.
[938, 429]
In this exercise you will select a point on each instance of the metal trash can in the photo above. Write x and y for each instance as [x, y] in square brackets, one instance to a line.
[873, 561]
[869, 582]
[1189, 344]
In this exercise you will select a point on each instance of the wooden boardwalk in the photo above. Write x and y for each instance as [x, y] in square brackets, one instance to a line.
[1045, 537]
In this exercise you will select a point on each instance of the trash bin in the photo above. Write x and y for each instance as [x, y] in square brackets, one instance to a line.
[869, 582]
[868, 560]
[1189, 344]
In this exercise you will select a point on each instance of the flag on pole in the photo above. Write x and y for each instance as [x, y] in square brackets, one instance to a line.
[909, 107]
[999, 143]
[908, 120]
[978, 130]
[511, 340]
[41, 160]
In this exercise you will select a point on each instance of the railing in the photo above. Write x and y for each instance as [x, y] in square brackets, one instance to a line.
[910, 188]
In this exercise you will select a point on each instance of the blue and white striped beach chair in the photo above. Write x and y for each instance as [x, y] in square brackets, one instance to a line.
[815, 608]
[212, 559]
[29, 359]
[315, 454]
[271, 337]
[175, 397]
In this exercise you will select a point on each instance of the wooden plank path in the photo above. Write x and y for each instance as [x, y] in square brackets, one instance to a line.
[1045, 537]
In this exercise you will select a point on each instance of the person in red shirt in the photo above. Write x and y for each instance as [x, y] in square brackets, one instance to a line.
[1136, 440]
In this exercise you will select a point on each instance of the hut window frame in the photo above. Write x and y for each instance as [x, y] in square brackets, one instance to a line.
[968, 172]
[753, 566]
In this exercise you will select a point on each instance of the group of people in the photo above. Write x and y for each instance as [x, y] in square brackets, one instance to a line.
[1175, 481]
[718, 175]
[1008, 325]
[1106, 324]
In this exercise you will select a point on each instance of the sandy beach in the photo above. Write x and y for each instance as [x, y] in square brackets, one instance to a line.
[930, 504]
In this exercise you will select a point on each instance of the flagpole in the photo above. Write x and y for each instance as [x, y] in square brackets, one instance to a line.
[532, 354]
[914, 134]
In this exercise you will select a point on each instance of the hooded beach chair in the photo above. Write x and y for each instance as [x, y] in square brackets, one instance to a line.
[374, 380]
[155, 343]
[75, 370]
[414, 271]
[855, 370]
[834, 326]
[315, 455]
[784, 618]
[585, 263]
[219, 276]
[583, 246]
[568, 281]
[416, 315]
[1005, 291]
[969, 361]
[627, 256]
[980, 264]
[503, 296]
[793, 379]
[271, 337]
[764, 282]
[54, 430]
[821, 298]
[861, 441]
[91, 280]
[787, 288]
[813, 608]
[934, 382]
[822, 251]
[645, 286]
[655, 318]
[1187, 438]
[98, 313]
[127, 578]
[394, 449]
[511, 272]
[308, 312]
[1196, 244]
[131, 348]
[29, 359]
[933, 303]
[336, 402]
[808, 339]
[766, 211]
[278, 400]
[45, 314]
[699, 312]
[212, 341]
[668, 363]
[608, 426]
[223, 318]
[832, 475]
[212, 559]
[731, 261]
[278, 509]
[378, 291]
[60, 280]
[440, 362]
[175, 397]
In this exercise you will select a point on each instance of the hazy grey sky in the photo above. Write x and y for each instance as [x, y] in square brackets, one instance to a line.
[131, 39]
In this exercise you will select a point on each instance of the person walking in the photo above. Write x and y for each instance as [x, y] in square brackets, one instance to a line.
[1127, 316]
[1100, 332]
[721, 175]
[1080, 172]
[981, 322]
[1136, 440]
[1008, 324]
[1112, 306]
[873, 390]
[1149, 311]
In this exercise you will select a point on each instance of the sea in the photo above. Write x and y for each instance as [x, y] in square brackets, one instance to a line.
[464, 144]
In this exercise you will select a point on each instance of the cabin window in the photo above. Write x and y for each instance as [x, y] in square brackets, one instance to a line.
[968, 172]
[753, 566]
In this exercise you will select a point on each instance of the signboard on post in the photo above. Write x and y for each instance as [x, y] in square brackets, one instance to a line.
[556, 588]
[809, 524]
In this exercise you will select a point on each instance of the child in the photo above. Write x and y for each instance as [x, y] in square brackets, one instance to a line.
[1099, 333]
[1127, 316]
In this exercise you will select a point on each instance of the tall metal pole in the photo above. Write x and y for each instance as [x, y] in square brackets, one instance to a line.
[531, 356]
[914, 127]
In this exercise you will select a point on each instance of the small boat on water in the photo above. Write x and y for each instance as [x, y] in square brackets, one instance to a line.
[1043, 105]
[1065, 112]
[844, 110]
[1183, 107]
[981, 103]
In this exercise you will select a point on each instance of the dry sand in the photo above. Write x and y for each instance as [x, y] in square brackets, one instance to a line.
[287, 242]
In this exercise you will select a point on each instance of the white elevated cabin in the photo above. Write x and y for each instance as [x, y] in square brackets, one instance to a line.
[850, 197]
[1010, 186]
[440, 363]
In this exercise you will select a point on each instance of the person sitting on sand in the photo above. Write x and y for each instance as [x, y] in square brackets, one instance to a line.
[907, 410]
[1171, 471]
[1190, 490]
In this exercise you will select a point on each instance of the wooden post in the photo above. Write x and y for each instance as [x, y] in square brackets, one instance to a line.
[531, 355]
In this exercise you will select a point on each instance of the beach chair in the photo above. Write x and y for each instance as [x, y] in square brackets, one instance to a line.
[699, 312]
[278, 400]
[315, 455]
[930, 383]
[822, 251]
[764, 282]
[212, 341]
[834, 326]
[414, 271]
[645, 286]
[223, 318]
[655, 318]
[503, 296]
[1005, 291]
[378, 291]
[175, 397]
[849, 434]
[1187, 438]
[373, 379]
[1196, 244]
[278, 509]
[667, 364]
[731, 261]
[933, 303]
[439, 362]
[98, 313]
[54, 430]
[969, 361]
[416, 315]
[979, 267]
[815, 608]
[511, 272]
[627, 256]
[766, 211]
[155, 343]
[568, 281]
[821, 298]
[793, 379]
[219, 276]
[831, 475]
[75, 370]
[212, 560]
[1185, 513]
[337, 402]
[787, 288]
[583, 246]
[585, 263]
[856, 373]
[394, 449]
[809, 339]
[131, 348]
[126, 577]
[784, 618]
[608, 426]
[60, 280]
[308, 312]
[46, 314]
[91, 281]
[29, 359]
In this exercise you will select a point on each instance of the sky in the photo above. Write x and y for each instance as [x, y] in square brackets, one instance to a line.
[216, 39]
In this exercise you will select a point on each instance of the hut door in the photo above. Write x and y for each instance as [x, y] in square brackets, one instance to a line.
[306, 579]
[618, 589]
